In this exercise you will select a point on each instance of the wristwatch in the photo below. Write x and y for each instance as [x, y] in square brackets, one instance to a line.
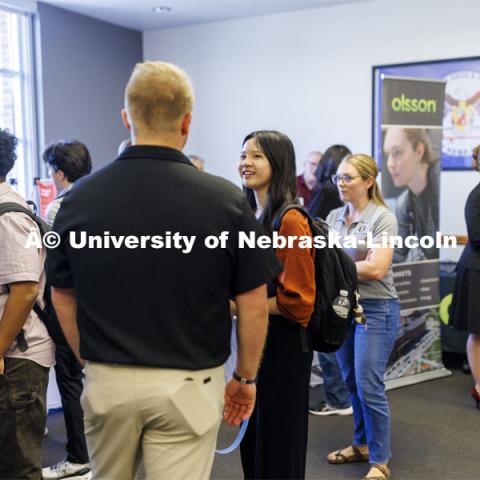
[243, 380]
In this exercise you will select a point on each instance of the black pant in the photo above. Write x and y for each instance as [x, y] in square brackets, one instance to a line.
[70, 385]
[23, 414]
[275, 444]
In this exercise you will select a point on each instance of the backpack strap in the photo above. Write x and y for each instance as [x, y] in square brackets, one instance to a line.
[294, 206]
[9, 207]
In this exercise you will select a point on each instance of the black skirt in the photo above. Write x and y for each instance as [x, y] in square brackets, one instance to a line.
[465, 308]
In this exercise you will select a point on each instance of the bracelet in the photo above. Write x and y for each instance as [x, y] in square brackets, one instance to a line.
[243, 380]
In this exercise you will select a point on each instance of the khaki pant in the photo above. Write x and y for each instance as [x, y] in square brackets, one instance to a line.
[131, 414]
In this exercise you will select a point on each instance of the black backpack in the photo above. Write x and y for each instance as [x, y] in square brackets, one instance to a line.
[334, 271]
[46, 314]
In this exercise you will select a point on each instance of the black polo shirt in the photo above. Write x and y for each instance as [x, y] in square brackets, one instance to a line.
[148, 306]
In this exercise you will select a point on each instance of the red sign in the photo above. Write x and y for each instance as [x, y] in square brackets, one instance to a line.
[46, 193]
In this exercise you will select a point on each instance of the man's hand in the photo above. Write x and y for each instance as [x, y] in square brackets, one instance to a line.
[2, 365]
[239, 402]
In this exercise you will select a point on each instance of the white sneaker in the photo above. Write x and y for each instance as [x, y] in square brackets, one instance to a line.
[66, 469]
[326, 409]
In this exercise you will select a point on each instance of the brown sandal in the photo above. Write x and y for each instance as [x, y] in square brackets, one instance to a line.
[340, 458]
[382, 468]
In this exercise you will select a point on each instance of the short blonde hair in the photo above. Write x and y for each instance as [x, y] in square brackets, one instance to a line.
[157, 97]
[367, 168]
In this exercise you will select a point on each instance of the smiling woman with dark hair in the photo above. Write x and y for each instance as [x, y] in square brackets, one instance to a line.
[275, 444]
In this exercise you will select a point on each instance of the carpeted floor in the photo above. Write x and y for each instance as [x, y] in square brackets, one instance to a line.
[435, 426]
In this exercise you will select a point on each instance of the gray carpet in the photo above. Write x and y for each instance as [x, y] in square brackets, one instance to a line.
[436, 435]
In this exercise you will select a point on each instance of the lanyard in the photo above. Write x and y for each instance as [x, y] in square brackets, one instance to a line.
[237, 441]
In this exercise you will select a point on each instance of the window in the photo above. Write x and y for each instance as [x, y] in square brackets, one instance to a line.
[17, 105]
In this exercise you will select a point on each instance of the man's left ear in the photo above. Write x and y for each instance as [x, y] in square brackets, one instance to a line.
[126, 120]
[187, 120]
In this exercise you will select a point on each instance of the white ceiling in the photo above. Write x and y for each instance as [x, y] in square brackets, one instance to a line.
[138, 14]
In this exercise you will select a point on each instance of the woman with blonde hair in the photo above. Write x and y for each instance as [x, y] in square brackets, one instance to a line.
[365, 353]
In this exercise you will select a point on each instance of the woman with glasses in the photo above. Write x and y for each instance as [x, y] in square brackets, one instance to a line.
[364, 354]
[412, 164]
[275, 443]
[466, 304]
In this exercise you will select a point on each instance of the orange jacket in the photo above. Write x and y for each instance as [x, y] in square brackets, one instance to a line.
[296, 284]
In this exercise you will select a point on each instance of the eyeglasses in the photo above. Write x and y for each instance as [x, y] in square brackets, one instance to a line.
[336, 179]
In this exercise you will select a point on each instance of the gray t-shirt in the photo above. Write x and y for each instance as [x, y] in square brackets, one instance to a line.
[375, 219]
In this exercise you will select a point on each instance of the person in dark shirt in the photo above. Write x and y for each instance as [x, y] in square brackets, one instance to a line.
[67, 161]
[325, 197]
[142, 292]
[465, 302]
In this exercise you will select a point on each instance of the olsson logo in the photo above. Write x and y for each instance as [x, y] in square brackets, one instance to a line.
[405, 104]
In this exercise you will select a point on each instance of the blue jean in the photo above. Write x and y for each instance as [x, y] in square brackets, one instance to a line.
[363, 358]
[336, 392]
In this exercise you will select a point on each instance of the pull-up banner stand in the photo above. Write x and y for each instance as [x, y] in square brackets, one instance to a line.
[411, 133]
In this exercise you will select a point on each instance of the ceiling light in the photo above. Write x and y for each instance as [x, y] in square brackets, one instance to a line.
[162, 9]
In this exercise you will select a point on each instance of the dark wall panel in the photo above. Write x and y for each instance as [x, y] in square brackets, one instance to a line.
[85, 66]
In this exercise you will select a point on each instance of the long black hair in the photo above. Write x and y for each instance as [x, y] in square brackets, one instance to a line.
[331, 159]
[278, 149]
[325, 195]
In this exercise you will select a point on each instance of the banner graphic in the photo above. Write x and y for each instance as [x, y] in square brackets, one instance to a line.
[411, 114]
